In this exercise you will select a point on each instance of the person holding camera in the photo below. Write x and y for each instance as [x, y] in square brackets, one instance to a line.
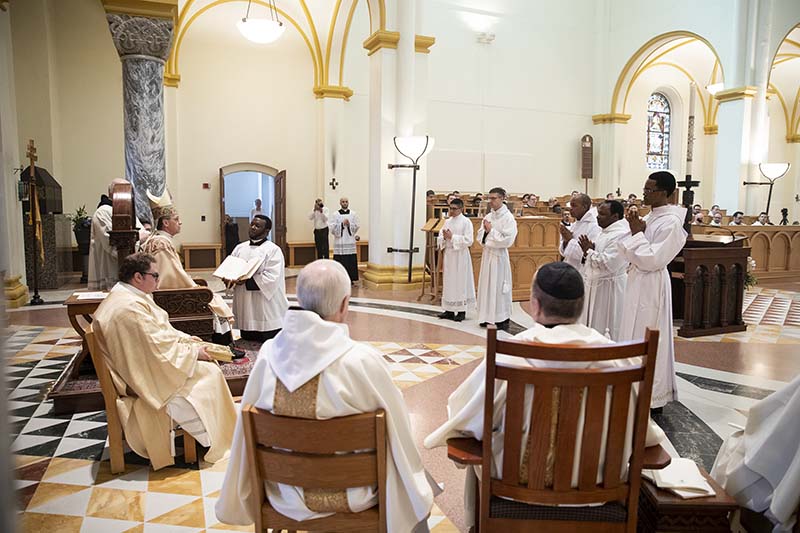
[320, 217]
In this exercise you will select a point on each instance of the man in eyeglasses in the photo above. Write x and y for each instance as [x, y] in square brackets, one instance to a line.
[164, 377]
[654, 242]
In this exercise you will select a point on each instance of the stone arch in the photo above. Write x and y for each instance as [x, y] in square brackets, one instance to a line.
[647, 56]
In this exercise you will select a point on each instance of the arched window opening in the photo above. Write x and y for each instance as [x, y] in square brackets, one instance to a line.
[659, 117]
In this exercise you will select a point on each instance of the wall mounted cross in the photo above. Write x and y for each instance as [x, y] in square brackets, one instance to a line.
[333, 183]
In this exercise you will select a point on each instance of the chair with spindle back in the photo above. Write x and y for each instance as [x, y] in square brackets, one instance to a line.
[556, 443]
[308, 453]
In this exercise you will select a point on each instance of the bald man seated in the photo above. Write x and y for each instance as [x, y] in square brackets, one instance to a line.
[313, 369]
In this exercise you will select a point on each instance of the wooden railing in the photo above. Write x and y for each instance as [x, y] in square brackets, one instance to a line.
[775, 249]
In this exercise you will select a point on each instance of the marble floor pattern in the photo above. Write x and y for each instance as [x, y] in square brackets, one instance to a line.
[719, 379]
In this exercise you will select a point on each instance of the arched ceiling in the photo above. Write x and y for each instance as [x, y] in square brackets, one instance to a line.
[321, 26]
[784, 81]
[689, 54]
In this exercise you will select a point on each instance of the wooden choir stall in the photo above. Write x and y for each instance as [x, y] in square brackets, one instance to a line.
[78, 389]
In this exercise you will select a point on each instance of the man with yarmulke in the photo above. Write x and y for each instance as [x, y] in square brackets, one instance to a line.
[556, 304]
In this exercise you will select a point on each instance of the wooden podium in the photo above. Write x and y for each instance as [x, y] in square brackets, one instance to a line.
[708, 285]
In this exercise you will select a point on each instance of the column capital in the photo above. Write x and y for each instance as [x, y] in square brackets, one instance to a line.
[381, 39]
[333, 91]
[611, 118]
[737, 93]
[141, 36]
[423, 43]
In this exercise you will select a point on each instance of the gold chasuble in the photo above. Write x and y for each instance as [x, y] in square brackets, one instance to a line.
[171, 272]
[152, 363]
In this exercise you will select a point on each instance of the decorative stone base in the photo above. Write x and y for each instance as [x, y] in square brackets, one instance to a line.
[16, 292]
[392, 278]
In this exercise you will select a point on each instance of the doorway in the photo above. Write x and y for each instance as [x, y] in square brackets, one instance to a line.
[241, 185]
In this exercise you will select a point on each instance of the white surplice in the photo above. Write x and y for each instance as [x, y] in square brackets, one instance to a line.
[465, 405]
[604, 276]
[458, 293]
[103, 268]
[648, 295]
[344, 237]
[261, 310]
[587, 225]
[494, 282]
[352, 378]
[760, 466]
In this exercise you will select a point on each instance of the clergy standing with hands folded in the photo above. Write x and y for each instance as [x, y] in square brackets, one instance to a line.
[496, 234]
[580, 207]
[455, 239]
[605, 271]
[653, 244]
[259, 302]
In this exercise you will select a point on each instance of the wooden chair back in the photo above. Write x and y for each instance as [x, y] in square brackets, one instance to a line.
[308, 453]
[558, 400]
[116, 437]
[116, 434]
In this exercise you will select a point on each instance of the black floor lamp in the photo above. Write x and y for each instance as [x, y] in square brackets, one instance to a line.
[771, 171]
[412, 148]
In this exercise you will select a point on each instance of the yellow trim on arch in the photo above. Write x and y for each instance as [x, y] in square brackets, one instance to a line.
[190, 21]
[774, 90]
[381, 39]
[345, 36]
[648, 48]
[423, 43]
[329, 45]
[736, 93]
[310, 21]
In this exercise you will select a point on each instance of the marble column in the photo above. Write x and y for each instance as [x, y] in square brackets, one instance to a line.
[143, 44]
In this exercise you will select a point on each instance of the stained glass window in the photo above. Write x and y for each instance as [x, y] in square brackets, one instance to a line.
[658, 128]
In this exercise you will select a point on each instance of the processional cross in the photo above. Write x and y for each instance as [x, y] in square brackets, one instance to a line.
[36, 221]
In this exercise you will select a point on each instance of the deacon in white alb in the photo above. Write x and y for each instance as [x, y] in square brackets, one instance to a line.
[313, 369]
[760, 465]
[259, 302]
[344, 225]
[555, 305]
[653, 244]
[580, 207]
[458, 293]
[102, 256]
[605, 271]
[496, 234]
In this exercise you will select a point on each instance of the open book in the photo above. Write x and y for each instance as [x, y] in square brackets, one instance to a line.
[237, 269]
[681, 477]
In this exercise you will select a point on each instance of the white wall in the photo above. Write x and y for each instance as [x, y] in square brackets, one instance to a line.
[73, 109]
[509, 113]
[240, 102]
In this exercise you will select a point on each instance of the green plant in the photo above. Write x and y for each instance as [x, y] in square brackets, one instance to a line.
[80, 219]
[750, 281]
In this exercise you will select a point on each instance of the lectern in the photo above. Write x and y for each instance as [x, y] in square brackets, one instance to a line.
[708, 285]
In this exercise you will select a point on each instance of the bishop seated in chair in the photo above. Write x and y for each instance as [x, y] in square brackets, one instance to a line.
[556, 304]
[163, 376]
[313, 369]
[173, 276]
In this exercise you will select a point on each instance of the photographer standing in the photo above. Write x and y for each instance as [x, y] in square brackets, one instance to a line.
[320, 217]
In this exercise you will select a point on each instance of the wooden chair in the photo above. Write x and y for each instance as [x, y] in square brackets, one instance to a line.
[511, 503]
[303, 452]
[116, 435]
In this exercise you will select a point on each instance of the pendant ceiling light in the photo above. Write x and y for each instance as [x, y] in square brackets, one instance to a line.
[261, 30]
